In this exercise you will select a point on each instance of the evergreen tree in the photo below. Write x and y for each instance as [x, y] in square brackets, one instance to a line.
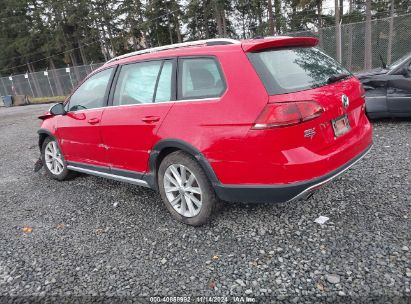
[40, 34]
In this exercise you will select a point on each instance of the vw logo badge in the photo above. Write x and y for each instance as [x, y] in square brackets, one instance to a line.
[345, 101]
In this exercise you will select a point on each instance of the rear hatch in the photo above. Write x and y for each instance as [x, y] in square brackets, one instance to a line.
[309, 91]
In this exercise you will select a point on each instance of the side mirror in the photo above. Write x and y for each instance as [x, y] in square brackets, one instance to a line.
[405, 70]
[57, 109]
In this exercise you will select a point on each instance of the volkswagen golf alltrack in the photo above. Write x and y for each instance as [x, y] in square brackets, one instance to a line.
[262, 120]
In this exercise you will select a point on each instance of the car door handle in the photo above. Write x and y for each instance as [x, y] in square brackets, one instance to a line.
[150, 119]
[93, 121]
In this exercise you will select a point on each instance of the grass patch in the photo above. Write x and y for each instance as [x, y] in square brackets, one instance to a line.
[51, 99]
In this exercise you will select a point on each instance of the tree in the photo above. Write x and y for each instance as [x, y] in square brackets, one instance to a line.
[163, 22]
[40, 34]
[270, 17]
[200, 20]
[277, 7]
[135, 31]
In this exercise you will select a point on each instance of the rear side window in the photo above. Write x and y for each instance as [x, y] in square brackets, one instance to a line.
[144, 82]
[200, 78]
[294, 69]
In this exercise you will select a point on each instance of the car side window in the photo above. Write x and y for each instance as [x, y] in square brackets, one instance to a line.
[164, 90]
[136, 83]
[91, 93]
[200, 78]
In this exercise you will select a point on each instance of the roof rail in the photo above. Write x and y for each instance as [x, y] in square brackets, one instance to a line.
[215, 41]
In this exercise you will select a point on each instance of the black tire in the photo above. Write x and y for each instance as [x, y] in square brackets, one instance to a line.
[210, 201]
[65, 174]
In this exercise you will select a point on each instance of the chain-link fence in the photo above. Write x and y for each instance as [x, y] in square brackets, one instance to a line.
[58, 82]
[391, 39]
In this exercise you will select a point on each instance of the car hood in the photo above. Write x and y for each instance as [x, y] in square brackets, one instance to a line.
[373, 72]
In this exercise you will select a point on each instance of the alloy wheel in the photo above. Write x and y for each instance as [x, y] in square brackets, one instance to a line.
[182, 190]
[53, 158]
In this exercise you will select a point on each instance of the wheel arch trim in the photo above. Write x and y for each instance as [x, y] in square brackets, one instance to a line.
[183, 146]
[41, 132]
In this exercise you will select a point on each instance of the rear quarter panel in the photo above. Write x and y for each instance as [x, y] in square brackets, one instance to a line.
[217, 127]
[284, 155]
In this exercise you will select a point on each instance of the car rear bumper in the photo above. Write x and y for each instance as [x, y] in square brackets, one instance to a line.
[281, 193]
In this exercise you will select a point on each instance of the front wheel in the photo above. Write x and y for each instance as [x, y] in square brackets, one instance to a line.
[185, 189]
[53, 160]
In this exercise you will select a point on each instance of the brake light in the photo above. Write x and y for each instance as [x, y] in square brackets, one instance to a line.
[287, 114]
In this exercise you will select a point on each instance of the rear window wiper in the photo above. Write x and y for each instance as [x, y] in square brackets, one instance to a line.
[337, 77]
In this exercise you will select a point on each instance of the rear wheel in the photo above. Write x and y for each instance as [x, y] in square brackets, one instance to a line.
[185, 189]
[53, 160]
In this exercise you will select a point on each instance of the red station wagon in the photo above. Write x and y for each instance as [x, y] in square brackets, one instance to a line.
[263, 120]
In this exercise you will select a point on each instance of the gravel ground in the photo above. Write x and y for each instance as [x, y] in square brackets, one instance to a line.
[96, 237]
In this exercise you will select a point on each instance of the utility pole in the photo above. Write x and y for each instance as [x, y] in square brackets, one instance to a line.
[337, 30]
[46, 73]
[350, 33]
[367, 48]
[27, 76]
[391, 33]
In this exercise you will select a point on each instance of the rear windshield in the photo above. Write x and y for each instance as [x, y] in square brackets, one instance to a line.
[294, 69]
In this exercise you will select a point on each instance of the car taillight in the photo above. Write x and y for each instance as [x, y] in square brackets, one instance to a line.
[287, 114]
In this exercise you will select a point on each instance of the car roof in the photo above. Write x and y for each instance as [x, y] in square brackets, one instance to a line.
[211, 46]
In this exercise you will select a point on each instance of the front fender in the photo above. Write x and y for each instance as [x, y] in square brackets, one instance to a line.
[43, 134]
